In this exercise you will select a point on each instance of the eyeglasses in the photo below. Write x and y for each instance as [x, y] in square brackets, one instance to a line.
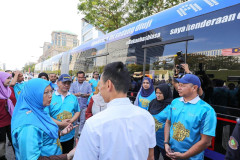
[49, 93]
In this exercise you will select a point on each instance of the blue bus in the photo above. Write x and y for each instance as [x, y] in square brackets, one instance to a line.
[204, 32]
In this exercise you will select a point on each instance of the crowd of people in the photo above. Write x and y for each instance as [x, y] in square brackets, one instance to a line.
[42, 116]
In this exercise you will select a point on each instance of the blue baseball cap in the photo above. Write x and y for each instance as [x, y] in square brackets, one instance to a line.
[64, 78]
[190, 78]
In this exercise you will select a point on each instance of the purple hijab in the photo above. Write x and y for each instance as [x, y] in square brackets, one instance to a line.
[149, 91]
[5, 92]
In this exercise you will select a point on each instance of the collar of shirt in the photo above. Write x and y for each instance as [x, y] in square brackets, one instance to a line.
[193, 101]
[119, 102]
[58, 94]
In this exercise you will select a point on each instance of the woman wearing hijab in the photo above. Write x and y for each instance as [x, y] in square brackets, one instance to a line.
[96, 104]
[34, 134]
[43, 75]
[7, 102]
[159, 110]
[146, 94]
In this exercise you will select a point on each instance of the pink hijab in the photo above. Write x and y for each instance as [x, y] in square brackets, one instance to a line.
[5, 92]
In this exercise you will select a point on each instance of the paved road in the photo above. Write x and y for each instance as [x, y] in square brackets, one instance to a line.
[9, 154]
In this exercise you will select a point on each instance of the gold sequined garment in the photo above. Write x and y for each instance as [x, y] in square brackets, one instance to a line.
[158, 125]
[64, 115]
[180, 132]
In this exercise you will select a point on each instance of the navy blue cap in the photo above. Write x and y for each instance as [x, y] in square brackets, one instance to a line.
[190, 78]
[64, 78]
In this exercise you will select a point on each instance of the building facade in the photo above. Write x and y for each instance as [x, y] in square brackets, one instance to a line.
[61, 41]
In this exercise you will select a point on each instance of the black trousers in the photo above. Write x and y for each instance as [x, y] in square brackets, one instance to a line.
[3, 132]
[67, 146]
[157, 151]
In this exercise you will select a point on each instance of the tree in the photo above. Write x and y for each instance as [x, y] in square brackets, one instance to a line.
[28, 66]
[109, 15]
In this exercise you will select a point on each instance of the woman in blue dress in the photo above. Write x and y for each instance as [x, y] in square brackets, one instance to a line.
[146, 94]
[34, 134]
[159, 110]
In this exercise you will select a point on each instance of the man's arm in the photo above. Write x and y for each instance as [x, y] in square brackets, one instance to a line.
[151, 154]
[166, 136]
[195, 149]
[14, 80]
[75, 117]
[62, 124]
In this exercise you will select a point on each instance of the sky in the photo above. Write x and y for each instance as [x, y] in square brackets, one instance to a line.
[27, 24]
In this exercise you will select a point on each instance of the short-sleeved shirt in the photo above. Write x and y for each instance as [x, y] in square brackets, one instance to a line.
[160, 120]
[63, 108]
[17, 88]
[31, 142]
[84, 88]
[120, 132]
[143, 102]
[94, 84]
[188, 121]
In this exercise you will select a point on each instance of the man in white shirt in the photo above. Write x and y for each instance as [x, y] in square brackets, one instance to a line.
[122, 131]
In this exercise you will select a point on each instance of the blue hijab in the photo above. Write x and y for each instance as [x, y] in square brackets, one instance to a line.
[149, 91]
[30, 110]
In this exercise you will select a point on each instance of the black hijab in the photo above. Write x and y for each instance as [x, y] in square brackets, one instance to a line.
[156, 106]
[43, 74]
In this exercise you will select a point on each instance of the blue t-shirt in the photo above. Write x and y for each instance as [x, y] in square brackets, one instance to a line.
[143, 102]
[31, 142]
[188, 121]
[61, 109]
[160, 120]
[17, 89]
[94, 84]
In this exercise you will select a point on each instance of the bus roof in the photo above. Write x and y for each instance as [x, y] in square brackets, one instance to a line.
[172, 15]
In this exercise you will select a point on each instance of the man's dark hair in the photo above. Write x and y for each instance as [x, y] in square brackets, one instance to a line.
[118, 74]
[80, 72]
[8, 71]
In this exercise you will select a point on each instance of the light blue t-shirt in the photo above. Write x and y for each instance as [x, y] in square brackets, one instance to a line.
[94, 84]
[17, 88]
[63, 108]
[160, 120]
[143, 102]
[31, 142]
[188, 121]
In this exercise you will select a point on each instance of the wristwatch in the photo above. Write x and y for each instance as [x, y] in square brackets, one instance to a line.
[166, 143]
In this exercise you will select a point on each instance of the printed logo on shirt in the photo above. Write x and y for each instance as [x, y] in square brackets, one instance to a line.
[64, 115]
[233, 144]
[173, 108]
[144, 102]
[180, 132]
[18, 92]
[158, 124]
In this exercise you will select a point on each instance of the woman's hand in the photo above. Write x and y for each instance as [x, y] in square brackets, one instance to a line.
[67, 129]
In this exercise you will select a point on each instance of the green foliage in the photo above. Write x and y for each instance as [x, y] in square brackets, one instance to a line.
[109, 15]
[30, 65]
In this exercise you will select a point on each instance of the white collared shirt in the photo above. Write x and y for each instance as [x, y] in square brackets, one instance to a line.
[123, 131]
[57, 93]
